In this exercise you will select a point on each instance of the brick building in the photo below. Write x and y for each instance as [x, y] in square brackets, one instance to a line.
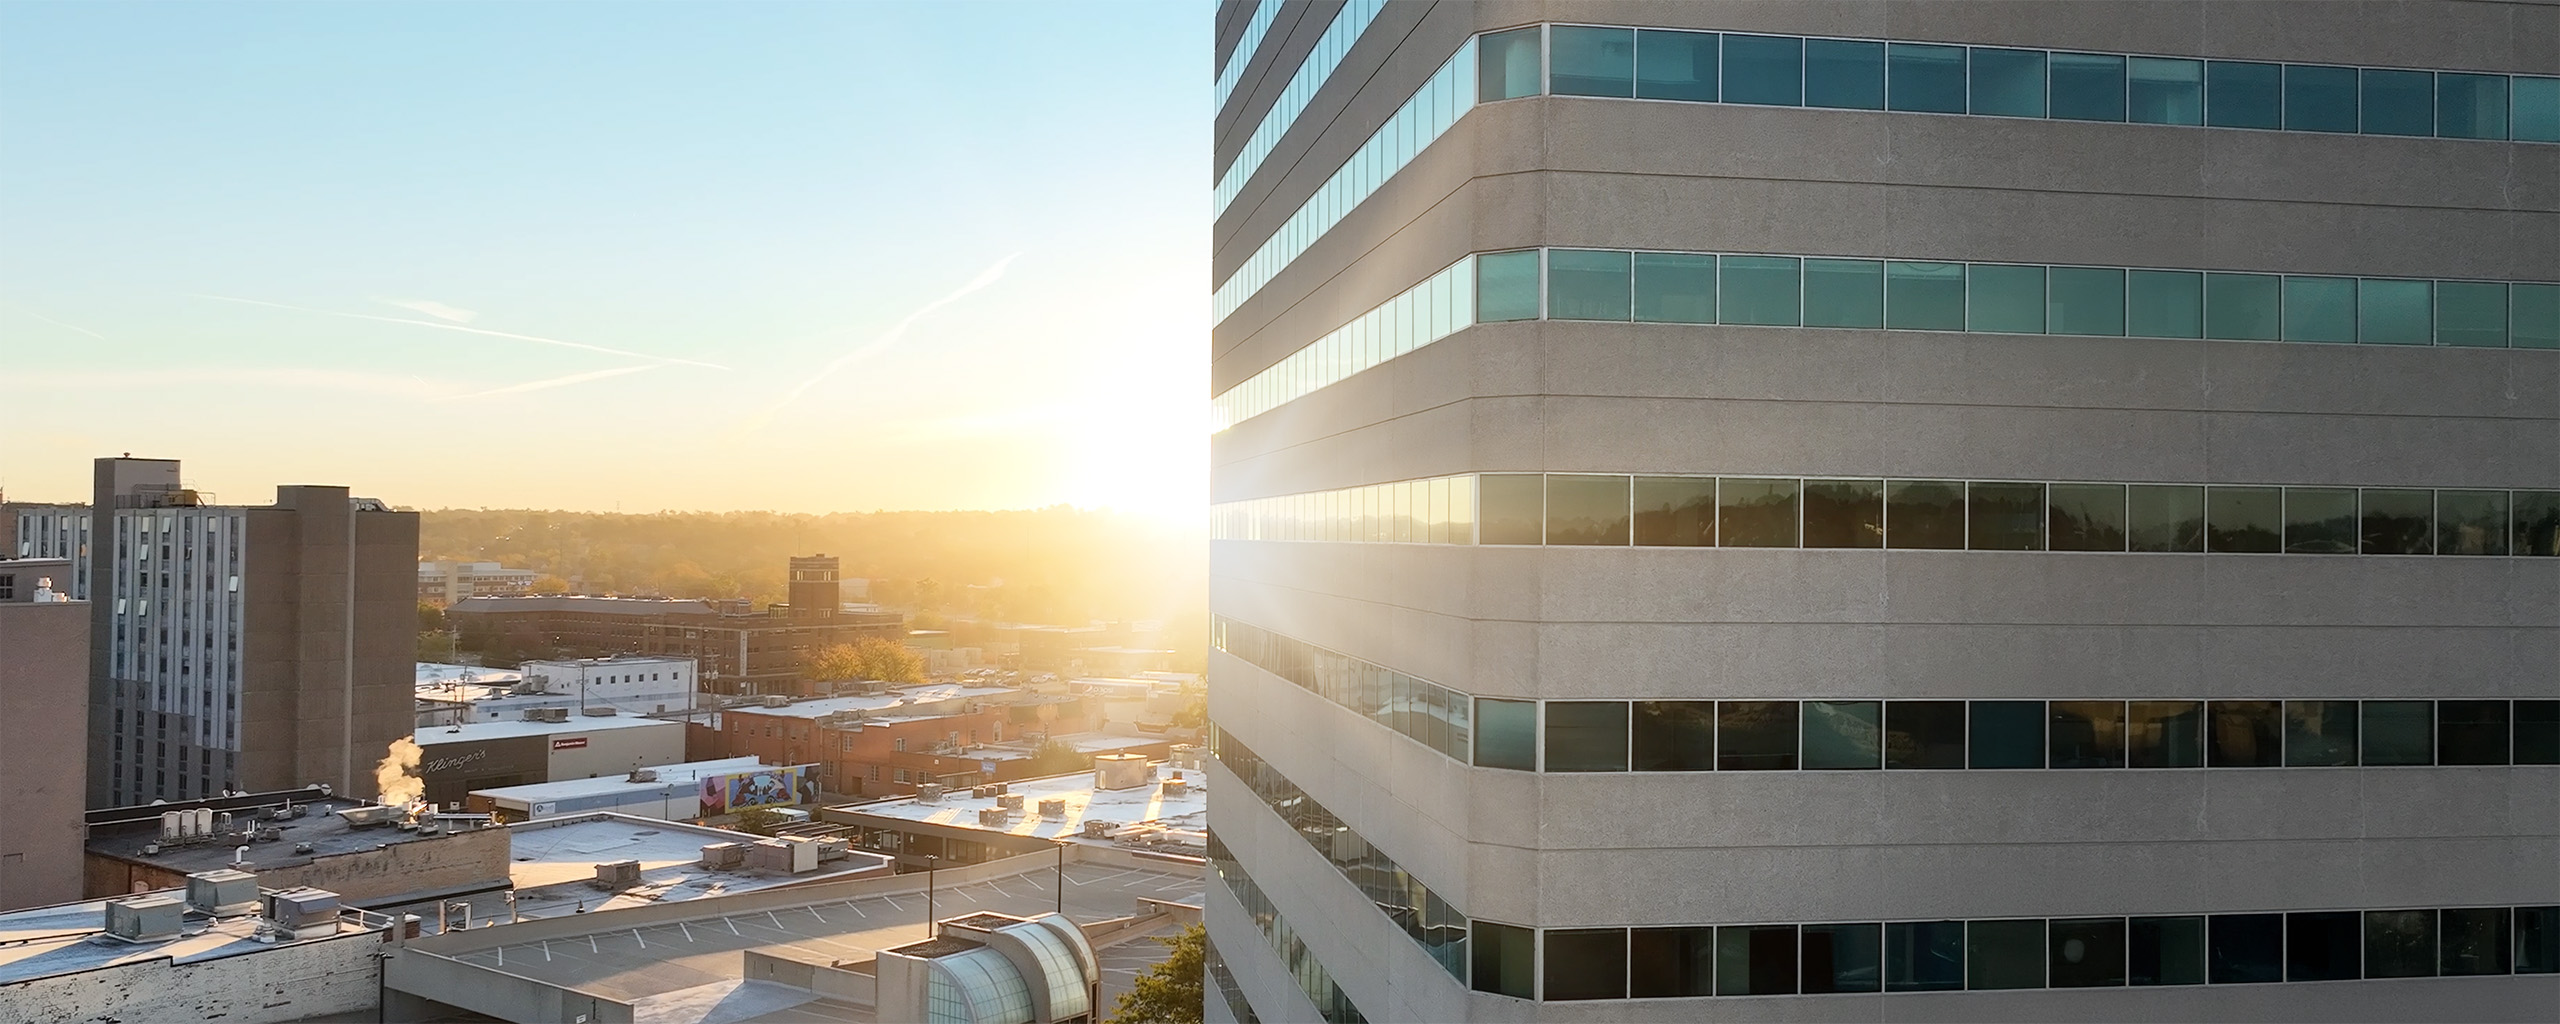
[888, 744]
[740, 651]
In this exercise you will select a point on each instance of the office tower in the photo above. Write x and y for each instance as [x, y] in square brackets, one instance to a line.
[44, 645]
[244, 648]
[815, 591]
[1886, 509]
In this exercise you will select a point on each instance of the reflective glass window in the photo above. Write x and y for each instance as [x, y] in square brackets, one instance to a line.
[2008, 83]
[1923, 956]
[1924, 514]
[1841, 735]
[1755, 735]
[2164, 734]
[1759, 960]
[2247, 520]
[2399, 732]
[2087, 300]
[1507, 734]
[1586, 963]
[2164, 304]
[2243, 734]
[2240, 94]
[2005, 299]
[1586, 736]
[2004, 517]
[2240, 307]
[1586, 284]
[1843, 293]
[1675, 288]
[1924, 296]
[2537, 940]
[1676, 65]
[2397, 944]
[2319, 520]
[2320, 309]
[2005, 734]
[1925, 78]
[1764, 69]
[2537, 732]
[1675, 511]
[2533, 315]
[2085, 517]
[2086, 734]
[1843, 958]
[1507, 64]
[1924, 734]
[2471, 314]
[1507, 286]
[1591, 61]
[1585, 509]
[1513, 507]
[2164, 951]
[2533, 109]
[1505, 960]
[2164, 90]
[2087, 952]
[2399, 102]
[2319, 733]
[2471, 732]
[2088, 86]
[1846, 74]
[2537, 523]
[1675, 735]
[2245, 948]
[1844, 513]
[2471, 106]
[2394, 312]
[2398, 521]
[1669, 963]
[2471, 522]
[1759, 290]
[2321, 946]
[2318, 98]
[2475, 940]
[2004, 954]
[1756, 513]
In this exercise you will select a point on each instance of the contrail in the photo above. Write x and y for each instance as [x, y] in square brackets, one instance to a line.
[555, 382]
[583, 346]
[985, 277]
[57, 323]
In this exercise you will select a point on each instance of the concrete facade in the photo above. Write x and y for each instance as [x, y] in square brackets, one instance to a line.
[43, 719]
[1550, 851]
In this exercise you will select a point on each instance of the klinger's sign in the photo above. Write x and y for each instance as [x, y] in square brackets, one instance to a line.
[455, 761]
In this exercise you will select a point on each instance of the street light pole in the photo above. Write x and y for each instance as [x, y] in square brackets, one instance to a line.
[1062, 876]
[929, 862]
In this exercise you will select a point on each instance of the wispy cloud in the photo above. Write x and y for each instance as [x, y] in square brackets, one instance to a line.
[555, 382]
[579, 345]
[433, 308]
[887, 338]
[129, 379]
[33, 315]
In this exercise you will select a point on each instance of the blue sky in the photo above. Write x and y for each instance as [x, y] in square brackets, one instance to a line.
[212, 213]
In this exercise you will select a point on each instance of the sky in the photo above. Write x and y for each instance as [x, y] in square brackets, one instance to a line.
[808, 257]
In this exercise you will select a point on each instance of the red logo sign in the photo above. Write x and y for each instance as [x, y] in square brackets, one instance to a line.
[571, 743]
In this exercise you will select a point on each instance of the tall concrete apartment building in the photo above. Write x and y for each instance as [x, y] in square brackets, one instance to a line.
[44, 696]
[1901, 509]
[235, 647]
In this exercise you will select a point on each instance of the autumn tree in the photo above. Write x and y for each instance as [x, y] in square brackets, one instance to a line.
[865, 658]
[1171, 992]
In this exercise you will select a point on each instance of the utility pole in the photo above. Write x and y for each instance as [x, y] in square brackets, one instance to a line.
[929, 862]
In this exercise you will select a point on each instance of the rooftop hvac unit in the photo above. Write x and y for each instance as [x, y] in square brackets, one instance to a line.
[1175, 789]
[591, 712]
[222, 892]
[644, 775]
[304, 912]
[724, 856]
[1010, 801]
[620, 874]
[991, 817]
[981, 792]
[546, 714]
[1119, 771]
[145, 918]
[1003, 788]
[929, 793]
[775, 700]
[1054, 807]
[1096, 828]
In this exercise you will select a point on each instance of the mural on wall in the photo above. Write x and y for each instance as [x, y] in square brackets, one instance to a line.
[763, 787]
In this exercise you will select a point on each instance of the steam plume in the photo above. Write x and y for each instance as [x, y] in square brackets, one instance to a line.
[397, 776]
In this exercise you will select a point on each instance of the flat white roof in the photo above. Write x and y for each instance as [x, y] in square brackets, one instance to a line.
[41, 942]
[555, 857]
[434, 672]
[475, 732]
[566, 789]
[1120, 806]
[909, 696]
